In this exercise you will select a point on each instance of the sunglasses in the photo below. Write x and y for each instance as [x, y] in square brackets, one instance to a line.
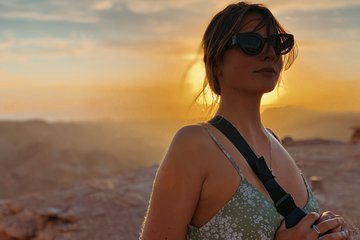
[252, 43]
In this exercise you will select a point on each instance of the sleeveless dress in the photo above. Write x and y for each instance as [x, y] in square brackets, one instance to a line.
[249, 214]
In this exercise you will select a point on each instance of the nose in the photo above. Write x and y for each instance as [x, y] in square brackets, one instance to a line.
[268, 53]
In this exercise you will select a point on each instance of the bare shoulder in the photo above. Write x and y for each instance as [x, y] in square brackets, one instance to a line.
[190, 136]
[187, 145]
[191, 131]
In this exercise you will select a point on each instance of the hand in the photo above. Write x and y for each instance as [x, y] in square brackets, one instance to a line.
[343, 228]
[303, 230]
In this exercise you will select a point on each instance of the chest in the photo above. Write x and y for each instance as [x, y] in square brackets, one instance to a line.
[224, 181]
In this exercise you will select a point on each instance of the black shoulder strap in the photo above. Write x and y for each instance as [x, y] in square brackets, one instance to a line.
[284, 203]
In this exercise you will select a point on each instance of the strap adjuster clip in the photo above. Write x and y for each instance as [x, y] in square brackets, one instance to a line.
[283, 199]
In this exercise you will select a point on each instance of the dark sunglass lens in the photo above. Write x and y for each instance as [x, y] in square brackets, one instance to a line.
[286, 43]
[282, 43]
[275, 42]
[250, 44]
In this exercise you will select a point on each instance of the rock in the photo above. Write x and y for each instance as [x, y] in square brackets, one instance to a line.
[111, 209]
[133, 199]
[287, 140]
[316, 183]
[11, 207]
[51, 212]
[355, 137]
[21, 226]
[4, 236]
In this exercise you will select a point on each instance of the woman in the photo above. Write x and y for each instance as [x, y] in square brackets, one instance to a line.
[204, 187]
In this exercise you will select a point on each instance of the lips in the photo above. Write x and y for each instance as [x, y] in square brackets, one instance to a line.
[266, 70]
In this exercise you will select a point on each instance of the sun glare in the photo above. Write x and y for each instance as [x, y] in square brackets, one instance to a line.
[195, 79]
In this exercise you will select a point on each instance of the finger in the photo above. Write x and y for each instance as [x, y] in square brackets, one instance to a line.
[338, 229]
[338, 235]
[327, 215]
[349, 232]
[282, 226]
[305, 224]
[331, 224]
[309, 219]
[342, 224]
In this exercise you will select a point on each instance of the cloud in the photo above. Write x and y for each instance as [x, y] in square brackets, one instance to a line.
[50, 11]
[21, 50]
[140, 6]
[280, 6]
[37, 16]
[153, 48]
[325, 46]
[156, 6]
[102, 5]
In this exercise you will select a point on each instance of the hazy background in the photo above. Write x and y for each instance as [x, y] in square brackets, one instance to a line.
[120, 59]
[92, 88]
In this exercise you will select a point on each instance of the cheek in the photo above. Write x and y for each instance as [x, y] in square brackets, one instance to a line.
[236, 67]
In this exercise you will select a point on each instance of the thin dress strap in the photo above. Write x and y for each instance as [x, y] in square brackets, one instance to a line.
[222, 148]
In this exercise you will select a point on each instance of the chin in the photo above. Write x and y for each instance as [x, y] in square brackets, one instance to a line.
[266, 85]
[268, 88]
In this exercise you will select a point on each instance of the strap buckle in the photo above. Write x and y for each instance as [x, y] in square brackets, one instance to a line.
[286, 198]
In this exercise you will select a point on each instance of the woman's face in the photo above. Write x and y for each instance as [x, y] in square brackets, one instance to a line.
[250, 74]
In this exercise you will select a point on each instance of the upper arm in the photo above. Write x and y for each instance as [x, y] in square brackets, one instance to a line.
[177, 186]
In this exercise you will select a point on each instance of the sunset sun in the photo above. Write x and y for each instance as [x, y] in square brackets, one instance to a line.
[195, 79]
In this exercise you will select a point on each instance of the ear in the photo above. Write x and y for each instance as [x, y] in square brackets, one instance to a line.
[219, 71]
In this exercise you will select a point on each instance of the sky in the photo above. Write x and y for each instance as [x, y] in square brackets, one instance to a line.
[117, 59]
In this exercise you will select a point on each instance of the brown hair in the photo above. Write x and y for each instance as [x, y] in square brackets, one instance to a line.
[219, 32]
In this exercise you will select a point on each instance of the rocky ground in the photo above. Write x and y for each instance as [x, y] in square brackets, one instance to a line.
[99, 209]
[113, 208]
[338, 165]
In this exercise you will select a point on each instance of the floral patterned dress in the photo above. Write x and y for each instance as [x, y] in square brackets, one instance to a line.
[247, 215]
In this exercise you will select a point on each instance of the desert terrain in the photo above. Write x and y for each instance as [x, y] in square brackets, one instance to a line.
[92, 181]
[114, 208]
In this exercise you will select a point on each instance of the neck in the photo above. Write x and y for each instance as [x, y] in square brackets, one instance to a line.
[243, 111]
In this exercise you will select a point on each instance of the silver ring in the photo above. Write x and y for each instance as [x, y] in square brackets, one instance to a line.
[317, 230]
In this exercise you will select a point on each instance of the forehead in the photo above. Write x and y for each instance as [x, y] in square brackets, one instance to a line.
[252, 22]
